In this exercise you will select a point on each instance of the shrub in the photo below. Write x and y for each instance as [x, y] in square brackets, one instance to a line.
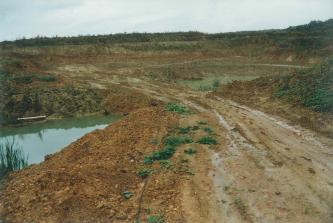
[176, 107]
[11, 157]
[208, 140]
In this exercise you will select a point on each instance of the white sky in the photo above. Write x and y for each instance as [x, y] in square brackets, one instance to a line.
[30, 18]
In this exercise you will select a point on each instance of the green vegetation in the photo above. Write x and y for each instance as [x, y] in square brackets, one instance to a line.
[184, 130]
[207, 140]
[226, 188]
[47, 78]
[312, 88]
[176, 107]
[177, 140]
[309, 38]
[216, 83]
[143, 173]
[163, 154]
[188, 129]
[155, 219]
[166, 164]
[190, 151]
[208, 130]
[64, 101]
[127, 194]
[11, 157]
[168, 150]
[27, 79]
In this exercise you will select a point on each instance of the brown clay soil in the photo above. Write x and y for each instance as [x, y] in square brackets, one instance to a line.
[85, 181]
[263, 169]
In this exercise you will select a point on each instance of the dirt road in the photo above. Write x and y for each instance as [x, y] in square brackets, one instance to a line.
[264, 170]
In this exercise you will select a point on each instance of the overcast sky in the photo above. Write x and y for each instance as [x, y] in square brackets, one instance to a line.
[30, 18]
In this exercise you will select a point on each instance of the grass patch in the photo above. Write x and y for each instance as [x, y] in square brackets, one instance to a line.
[207, 140]
[208, 130]
[143, 173]
[176, 107]
[184, 130]
[165, 153]
[27, 79]
[188, 129]
[11, 157]
[155, 219]
[46, 78]
[177, 140]
[166, 164]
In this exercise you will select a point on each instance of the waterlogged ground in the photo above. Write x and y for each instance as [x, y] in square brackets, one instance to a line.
[40, 139]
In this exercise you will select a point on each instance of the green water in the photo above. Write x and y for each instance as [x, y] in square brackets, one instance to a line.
[40, 139]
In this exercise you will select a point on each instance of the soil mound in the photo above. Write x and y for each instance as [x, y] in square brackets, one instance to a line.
[86, 181]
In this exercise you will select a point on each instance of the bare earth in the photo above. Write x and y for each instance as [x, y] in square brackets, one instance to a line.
[263, 169]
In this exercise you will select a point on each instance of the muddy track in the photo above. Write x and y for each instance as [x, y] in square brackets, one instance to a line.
[265, 170]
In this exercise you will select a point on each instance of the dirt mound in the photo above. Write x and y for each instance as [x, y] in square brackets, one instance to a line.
[126, 100]
[86, 181]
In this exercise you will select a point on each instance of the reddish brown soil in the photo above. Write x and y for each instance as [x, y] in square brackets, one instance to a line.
[84, 182]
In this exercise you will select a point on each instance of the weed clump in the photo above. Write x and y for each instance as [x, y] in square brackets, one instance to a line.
[155, 219]
[46, 78]
[177, 140]
[208, 130]
[11, 158]
[176, 107]
[207, 140]
[165, 153]
[143, 173]
[184, 130]
[127, 194]
[166, 164]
